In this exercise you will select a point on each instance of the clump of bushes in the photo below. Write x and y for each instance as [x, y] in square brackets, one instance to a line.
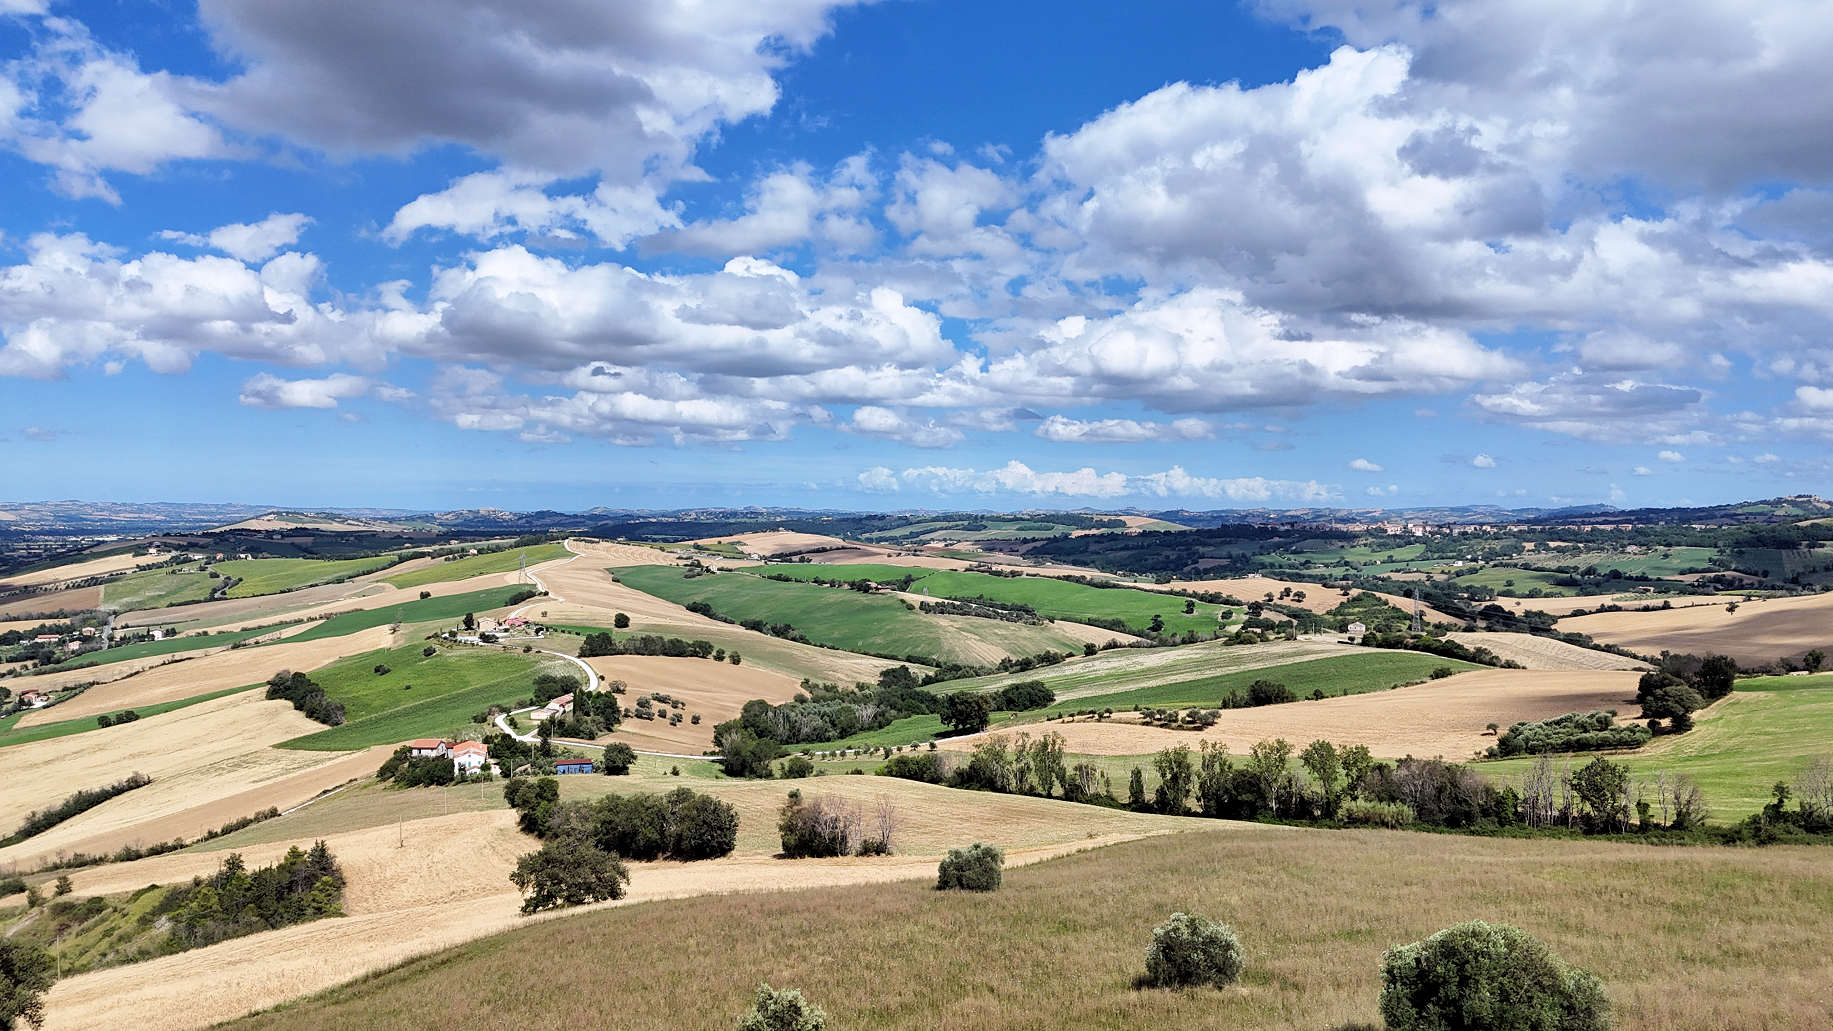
[1367, 813]
[820, 827]
[41, 820]
[782, 1009]
[682, 824]
[306, 696]
[1573, 732]
[977, 867]
[1491, 976]
[1189, 950]
[1023, 696]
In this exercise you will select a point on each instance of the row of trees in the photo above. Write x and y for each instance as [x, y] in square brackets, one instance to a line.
[306, 696]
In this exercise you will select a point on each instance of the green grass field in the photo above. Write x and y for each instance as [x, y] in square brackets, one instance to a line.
[13, 735]
[1765, 731]
[157, 588]
[1344, 674]
[273, 575]
[1051, 598]
[479, 565]
[428, 610]
[869, 624]
[421, 696]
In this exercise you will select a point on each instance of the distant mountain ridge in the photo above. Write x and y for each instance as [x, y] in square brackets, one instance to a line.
[131, 518]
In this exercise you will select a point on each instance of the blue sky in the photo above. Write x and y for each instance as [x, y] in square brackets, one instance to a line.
[913, 254]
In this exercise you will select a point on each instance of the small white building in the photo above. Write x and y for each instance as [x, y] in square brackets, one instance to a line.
[34, 699]
[468, 757]
[1356, 629]
[428, 748]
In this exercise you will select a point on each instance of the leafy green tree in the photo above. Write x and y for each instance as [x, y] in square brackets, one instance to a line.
[1717, 675]
[1320, 758]
[966, 712]
[1602, 788]
[1214, 771]
[568, 871]
[1176, 780]
[1270, 762]
[470, 622]
[621, 621]
[744, 754]
[1136, 788]
[617, 759]
[26, 974]
[1357, 762]
[1813, 660]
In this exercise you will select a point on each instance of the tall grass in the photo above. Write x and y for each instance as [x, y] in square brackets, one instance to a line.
[1685, 939]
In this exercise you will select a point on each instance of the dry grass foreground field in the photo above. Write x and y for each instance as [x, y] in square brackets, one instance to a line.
[1686, 939]
[210, 763]
[1438, 718]
[1545, 653]
[449, 883]
[160, 679]
[1758, 632]
[714, 690]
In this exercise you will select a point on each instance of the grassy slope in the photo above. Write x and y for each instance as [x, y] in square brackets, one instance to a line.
[1766, 731]
[272, 575]
[421, 696]
[478, 565]
[871, 624]
[450, 607]
[1347, 674]
[10, 735]
[157, 588]
[1716, 938]
[1056, 599]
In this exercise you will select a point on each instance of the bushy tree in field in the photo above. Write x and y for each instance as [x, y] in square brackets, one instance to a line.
[744, 754]
[796, 767]
[621, 621]
[977, 867]
[568, 871]
[26, 974]
[617, 759]
[1176, 780]
[1487, 977]
[966, 712]
[1023, 696]
[1189, 950]
[782, 1010]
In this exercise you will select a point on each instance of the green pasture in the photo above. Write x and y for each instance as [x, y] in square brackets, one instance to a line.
[157, 588]
[479, 565]
[274, 575]
[1766, 731]
[421, 696]
[1049, 597]
[867, 623]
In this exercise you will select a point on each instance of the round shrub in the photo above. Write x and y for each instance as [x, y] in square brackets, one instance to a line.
[1191, 950]
[1489, 976]
[977, 867]
[782, 1009]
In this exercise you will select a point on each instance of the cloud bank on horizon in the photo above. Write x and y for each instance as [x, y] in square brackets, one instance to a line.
[1476, 248]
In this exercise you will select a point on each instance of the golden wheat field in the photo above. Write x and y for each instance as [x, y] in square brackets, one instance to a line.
[210, 763]
[76, 599]
[1758, 632]
[1438, 718]
[1545, 653]
[715, 691]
